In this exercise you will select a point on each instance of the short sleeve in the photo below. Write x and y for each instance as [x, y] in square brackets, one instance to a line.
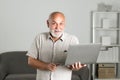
[34, 49]
[74, 40]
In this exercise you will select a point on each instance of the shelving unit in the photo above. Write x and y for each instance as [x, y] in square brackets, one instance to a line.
[106, 30]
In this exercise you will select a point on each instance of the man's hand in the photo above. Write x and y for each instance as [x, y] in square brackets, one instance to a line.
[41, 65]
[76, 66]
[51, 66]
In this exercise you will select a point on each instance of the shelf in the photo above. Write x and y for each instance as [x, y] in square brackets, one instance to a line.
[98, 28]
[100, 12]
[112, 45]
[107, 79]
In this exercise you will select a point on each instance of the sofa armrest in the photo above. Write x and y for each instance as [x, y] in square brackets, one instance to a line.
[3, 72]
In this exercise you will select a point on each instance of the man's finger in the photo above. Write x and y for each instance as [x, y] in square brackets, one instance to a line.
[79, 65]
[73, 66]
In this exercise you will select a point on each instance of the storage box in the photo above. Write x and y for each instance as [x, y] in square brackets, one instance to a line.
[106, 72]
[106, 23]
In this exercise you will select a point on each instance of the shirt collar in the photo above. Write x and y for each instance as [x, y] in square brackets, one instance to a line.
[62, 37]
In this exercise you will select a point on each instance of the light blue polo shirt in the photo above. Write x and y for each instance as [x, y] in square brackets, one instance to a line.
[44, 49]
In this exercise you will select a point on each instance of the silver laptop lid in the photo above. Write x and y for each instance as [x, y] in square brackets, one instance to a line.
[84, 53]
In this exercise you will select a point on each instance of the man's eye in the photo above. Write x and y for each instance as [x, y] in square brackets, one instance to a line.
[61, 23]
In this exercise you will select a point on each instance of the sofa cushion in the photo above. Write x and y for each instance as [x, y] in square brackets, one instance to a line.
[75, 77]
[21, 77]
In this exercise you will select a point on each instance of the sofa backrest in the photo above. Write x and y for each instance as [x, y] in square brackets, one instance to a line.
[16, 62]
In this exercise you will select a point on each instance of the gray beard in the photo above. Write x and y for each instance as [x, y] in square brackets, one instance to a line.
[56, 35]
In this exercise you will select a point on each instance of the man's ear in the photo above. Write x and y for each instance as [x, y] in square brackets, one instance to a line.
[48, 23]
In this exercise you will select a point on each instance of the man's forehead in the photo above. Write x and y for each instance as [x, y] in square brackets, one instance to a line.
[57, 18]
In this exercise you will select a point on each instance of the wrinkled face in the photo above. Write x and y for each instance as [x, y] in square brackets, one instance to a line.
[56, 25]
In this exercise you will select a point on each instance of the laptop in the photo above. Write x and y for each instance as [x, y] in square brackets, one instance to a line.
[84, 53]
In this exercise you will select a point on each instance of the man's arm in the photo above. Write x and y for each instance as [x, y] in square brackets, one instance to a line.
[40, 64]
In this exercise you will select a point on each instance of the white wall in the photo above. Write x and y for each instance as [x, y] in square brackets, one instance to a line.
[21, 20]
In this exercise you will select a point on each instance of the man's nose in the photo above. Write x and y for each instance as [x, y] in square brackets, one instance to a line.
[57, 26]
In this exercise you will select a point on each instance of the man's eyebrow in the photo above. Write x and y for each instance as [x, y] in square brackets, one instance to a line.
[52, 21]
